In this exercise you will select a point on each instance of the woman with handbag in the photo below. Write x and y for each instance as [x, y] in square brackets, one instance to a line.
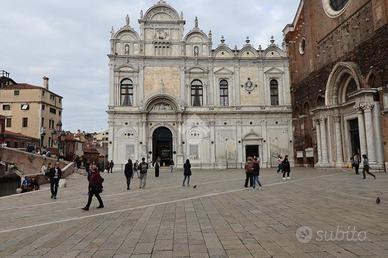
[95, 188]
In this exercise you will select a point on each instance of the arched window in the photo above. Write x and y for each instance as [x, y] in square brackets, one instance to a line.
[126, 92]
[196, 93]
[274, 90]
[350, 88]
[224, 93]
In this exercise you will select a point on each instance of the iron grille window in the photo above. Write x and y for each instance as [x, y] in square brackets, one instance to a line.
[9, 122]
[126, 92]
[224, 93]
[25, 122]
[196, 93]
[274, 90]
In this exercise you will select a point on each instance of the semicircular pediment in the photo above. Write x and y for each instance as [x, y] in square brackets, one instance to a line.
[161, 103]
[161, 12]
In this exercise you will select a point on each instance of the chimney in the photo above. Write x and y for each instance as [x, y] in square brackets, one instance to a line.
[46, 82]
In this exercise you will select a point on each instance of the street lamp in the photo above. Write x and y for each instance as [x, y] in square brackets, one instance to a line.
[58, 128]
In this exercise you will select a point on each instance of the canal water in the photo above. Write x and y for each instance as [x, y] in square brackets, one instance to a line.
[8, 186]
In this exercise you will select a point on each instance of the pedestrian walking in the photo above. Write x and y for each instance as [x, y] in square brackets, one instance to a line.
[111, 165]
[186, 172]
[95, 188]
[279, 164]
[171, 165]
[365, 169]
[128, 172]
[286, 167]
[54, 174]
[157, 167]
[143, 167]
[256, 173]
[248, 173]
[356, 162]
[135, 168]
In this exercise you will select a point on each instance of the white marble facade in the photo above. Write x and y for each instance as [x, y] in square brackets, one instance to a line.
[217, 105]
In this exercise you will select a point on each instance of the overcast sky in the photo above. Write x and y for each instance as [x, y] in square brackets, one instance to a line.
[68, 41]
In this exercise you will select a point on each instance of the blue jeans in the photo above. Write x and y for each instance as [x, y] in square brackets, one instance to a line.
[188, 180]
[256, 179]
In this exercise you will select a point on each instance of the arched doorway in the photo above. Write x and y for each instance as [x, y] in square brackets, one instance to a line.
[162, 145]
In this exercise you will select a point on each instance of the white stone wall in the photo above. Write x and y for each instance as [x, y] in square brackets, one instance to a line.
[162, 63]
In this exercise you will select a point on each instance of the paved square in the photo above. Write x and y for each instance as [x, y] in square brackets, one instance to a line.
[219, 218]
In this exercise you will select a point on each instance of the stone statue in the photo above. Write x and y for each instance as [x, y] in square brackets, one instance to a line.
[127, 20]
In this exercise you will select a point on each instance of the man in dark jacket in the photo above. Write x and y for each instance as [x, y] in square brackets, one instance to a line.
[128, 172]
[286, 168]
[55, 174]
[111, 165]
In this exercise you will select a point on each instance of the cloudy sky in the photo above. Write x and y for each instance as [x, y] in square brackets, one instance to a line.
[68, 41]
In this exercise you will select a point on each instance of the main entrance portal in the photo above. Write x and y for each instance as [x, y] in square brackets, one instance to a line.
[251, 151]
[162, 145]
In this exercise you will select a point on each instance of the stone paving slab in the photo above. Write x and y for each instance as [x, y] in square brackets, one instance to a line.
[218, 218]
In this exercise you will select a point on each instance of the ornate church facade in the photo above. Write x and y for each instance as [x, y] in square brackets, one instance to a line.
[173, 96]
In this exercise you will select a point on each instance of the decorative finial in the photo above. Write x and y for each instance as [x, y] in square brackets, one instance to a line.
[235, 47]
[260, 48]
[181, 15]
[196, 21]
[210, 34]
[127, 20]
[112, 32]
[141, 14]
[272, 40]
[247, 40]
[222, 39]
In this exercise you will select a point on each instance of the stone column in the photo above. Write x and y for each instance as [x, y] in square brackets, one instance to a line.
[111, 85]
[140, 91]
[179, 155]
[323, 141]
[378, 133]
[145, 139]
[369, 128]
[319, 144]
[361, 130]
[338, 140]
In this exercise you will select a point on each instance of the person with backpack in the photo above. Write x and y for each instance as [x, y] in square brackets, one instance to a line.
[365, 169]
[248, 173]
[135, 169]
[143, 167]
[186, 172]
[128, 172]
[95, 188]
[157, 167]
[286, 167]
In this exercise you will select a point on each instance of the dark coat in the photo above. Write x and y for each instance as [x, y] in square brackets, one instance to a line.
[187, 169]
[286, 165]
[51, 173]
[256, 169]
[128, 171]
[95, 182]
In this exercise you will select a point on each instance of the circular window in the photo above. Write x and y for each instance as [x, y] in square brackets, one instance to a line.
[302, 46]
[334, 8]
